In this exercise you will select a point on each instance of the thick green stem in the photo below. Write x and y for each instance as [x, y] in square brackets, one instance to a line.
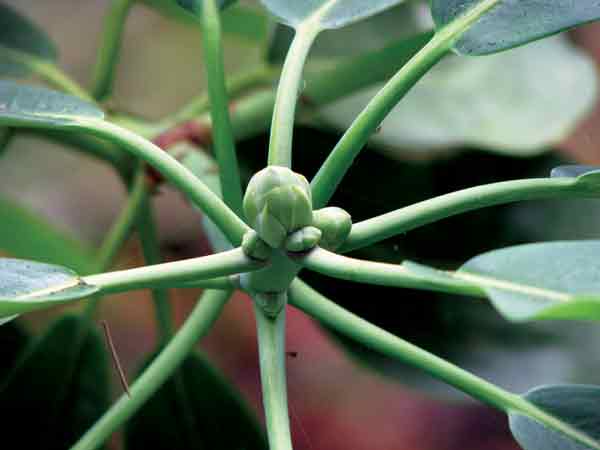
[370, 272]
[108, 55]
[354, 139]
[196, 326]
[229, 174]
[151, 249]
[290, 84]
[271, 346]
[405, 219]
[170, 274]
[321, 308]
[231, 225]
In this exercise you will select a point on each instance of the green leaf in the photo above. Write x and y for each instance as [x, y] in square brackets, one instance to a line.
[374, 33]
[196, 409]
[24, 234]
[243, 21]
[26, 286]
[557, 280]
[21, 43]
[512, 23]
[35, 106]
[574, 404]
[540, 93]
[326, 14]
[59, 388]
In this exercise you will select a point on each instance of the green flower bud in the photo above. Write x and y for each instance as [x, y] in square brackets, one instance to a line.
[335, 223]
[277, 202]
[302, 240]
[254, 247]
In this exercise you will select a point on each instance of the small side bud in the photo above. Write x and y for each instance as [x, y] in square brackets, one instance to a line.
[254, 247]
[303, 240]
[277, 202]
[335, 223]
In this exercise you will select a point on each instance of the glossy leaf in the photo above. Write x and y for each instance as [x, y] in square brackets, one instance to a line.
[556, 280]
[35, 106]
[326, 14]
[243, 21]
[574, 404]
[589, 176]
[400, 22]
[511, 23]
[26, 286]
[21, 41]
[540, 93]
[196, 409]
[58, 389]
[24, 234]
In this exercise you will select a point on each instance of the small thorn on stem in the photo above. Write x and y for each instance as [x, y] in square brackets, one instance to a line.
[115, 358]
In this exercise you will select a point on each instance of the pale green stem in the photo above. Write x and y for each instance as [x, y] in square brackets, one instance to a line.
[164, 365]
[397, 275]
[271, 346]
[148, 236]
[231, 225]
[108, 55]
[224, 146]
[290, 84]
[405, 219]
[324, 310]
[169, 274]
[354, 139]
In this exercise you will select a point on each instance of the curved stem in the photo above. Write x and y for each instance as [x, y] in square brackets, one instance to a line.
[169, 274]
[57, 78]
[231, 225]
[284, 113]
[229, 174]
[397, 275]
[321, 308]
[405, 219]
[354, 139]
[196, 326]
[271, 346]
[104, 71]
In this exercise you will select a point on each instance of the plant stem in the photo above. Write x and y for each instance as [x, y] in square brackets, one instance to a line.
[169, 274]
[229, 174]
[321, 308]
[405, 219]
[271, 346]
[150, 247]
[231, 225]
[108, 55]
[354, 139]
[201, 319]
[290, 84]
[370, 272]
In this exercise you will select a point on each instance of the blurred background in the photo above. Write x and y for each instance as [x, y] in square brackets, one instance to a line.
[470, 121]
